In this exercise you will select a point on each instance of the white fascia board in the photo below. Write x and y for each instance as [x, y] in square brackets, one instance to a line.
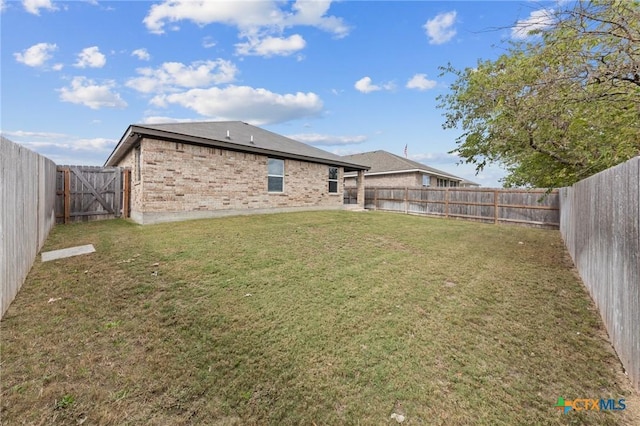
[395, 172]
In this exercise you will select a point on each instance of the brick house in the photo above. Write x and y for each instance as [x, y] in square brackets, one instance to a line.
[390, 170]
[195, 170]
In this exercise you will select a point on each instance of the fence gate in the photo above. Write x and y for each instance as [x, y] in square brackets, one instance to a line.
[86, 193]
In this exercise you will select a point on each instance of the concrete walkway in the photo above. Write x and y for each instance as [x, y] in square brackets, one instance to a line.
[68, 252]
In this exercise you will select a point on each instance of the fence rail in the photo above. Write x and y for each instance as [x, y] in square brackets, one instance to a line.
[600, 225]
[536, 207]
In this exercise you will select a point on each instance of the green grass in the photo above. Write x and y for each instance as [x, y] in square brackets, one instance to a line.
[306, 318]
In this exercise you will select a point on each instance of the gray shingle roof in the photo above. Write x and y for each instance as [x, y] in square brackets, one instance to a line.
[233, 135]
[386, 162]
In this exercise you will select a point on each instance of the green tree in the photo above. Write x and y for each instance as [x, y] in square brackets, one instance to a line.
[558, 107]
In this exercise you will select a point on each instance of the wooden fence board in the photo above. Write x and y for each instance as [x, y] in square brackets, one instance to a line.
[600, 224]
[536, 207]
[27, 191]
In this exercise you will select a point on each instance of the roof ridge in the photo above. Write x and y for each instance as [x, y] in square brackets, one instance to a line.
[395, 160]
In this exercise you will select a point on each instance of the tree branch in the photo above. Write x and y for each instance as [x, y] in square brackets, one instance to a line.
[556, 157]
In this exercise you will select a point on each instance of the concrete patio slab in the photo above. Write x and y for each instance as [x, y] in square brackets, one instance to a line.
[68, 252]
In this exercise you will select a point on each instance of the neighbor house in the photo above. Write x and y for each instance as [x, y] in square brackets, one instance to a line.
[390, 170]
[469, 184]
[205, 169]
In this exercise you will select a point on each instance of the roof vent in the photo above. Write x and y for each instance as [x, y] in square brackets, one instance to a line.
[228, 135]
[251, 138]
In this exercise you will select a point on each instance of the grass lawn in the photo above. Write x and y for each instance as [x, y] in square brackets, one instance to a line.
[307, 318]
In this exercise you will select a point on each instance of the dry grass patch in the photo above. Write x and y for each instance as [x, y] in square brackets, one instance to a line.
[325, 318]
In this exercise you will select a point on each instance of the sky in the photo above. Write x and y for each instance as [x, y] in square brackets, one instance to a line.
[344, 76]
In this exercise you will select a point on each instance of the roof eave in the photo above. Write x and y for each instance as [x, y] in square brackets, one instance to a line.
[126, 142]
[134, 133]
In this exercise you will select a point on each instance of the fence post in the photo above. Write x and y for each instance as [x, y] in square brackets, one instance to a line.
[406, 200]
[446, 202]
[495, 206]
[126, 192]
[375, 198]
[67, 195]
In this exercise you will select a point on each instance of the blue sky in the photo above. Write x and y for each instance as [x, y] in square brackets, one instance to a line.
[345, 76]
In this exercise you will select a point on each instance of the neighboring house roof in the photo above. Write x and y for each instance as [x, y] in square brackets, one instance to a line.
[231, 135]
[383, 162]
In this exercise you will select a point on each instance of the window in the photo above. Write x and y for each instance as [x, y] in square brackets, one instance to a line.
[453, 183]
[333, 180]
[275, 175]
[426, 180]
[138, 163]
[442, 183]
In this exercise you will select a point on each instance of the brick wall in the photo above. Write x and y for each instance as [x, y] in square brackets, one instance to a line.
[179, 177]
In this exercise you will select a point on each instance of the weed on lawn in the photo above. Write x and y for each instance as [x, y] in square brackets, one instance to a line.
[307, 318]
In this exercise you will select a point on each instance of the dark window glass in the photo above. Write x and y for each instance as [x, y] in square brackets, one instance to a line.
[275, 175]
[333, 179]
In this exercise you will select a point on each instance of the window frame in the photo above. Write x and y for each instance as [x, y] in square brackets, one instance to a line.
[330, 180]
[270, 175]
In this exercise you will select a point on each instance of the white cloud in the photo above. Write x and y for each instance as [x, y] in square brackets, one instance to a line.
[420, 82]
[45, 141]
[538, 20]
[202, 12]
[208, 42]
[141, 54]
[34, 6]
[96, 144]
[436, 158]
[440, 29]
[91, 57]
[271, 46]
[87, 92]
[171, 76]
[328, 140]
[261, 23]
[101, 144]
[255, 106]
[36, 55]
[365, 85]
[313, 13]
[155, 119]
[28, 134]
[247, 16]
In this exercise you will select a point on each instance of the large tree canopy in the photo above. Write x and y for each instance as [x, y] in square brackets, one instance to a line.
[558, 107]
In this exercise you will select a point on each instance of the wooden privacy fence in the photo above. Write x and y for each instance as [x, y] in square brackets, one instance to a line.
[27, 197]
[536, 207]
[600, 225]
[86, 193]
